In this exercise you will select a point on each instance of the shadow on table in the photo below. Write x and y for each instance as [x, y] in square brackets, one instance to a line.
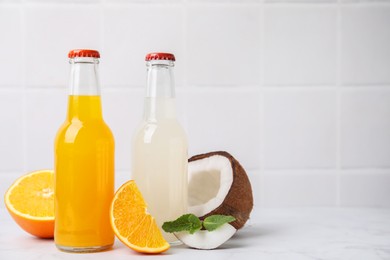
[248, 235]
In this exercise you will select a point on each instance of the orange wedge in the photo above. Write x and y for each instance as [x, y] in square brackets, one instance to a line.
[30, 201]
[132, 224]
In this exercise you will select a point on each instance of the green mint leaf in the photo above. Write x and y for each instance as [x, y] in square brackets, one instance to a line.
[187, 222]
[196, 227]
[215, 221]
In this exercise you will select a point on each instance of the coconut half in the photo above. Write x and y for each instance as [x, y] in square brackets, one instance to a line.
[218, 184]
[204, 239]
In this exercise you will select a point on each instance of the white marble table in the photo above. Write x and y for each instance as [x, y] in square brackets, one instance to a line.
[297, 233]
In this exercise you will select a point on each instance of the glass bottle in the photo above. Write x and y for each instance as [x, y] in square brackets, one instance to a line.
[84, 163]
[159, 148]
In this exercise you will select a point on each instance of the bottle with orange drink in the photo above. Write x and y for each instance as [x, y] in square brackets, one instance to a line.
[84, 163]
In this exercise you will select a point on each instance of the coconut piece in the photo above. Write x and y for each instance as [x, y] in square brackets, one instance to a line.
[204, 239]
[218, 184]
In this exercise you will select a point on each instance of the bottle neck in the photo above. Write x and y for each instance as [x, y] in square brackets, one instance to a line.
[84, 90]
[84, 77]
[160, 90]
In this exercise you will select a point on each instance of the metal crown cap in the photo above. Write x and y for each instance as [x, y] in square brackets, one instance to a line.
[160, 56]
[83, 53]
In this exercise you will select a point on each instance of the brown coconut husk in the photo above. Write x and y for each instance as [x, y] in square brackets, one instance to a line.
[239, 200]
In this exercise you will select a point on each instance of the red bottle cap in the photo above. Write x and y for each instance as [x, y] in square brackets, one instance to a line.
[83, 53]
[160, 56]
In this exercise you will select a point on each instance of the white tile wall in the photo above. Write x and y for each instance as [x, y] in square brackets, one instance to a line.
[44, 114]
[11, 126]
[131, 31]
[300, 44]
[225, 120]
[300, 128]
[121, 177]
[51, 30]
[298, 90]
[365, 55]
[7, 179]
[365, 127]
[10, 46]
[224, 44]
[123, 112]
[299, 188]
[365, 187]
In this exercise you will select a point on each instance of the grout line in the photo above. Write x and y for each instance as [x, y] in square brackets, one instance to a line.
[101, 25]
[262, 27]
[11, 173]
[276, 87]
[10, 87]
[24, 87]
[123, 89]
[300, 172]
[232, 87]
[221, 89]
[261, 81]
[365, 2]
[338, 108]
[262, 148]
[300, 2]
[362, 85]
[226, 2]
[43, 3]
[184, 13]
[366, 168]
[298, 88]
[303, 168]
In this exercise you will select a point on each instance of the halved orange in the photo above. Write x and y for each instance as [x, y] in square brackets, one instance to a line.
[132, 224]
[30, 201]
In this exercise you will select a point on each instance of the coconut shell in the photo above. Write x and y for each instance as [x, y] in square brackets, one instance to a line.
[239, 200]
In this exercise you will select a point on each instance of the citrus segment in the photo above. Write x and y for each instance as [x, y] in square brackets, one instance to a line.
[30, 201]
[132, 224]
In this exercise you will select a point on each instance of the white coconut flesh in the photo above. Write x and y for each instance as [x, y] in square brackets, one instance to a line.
[204, 239]
[209, 181]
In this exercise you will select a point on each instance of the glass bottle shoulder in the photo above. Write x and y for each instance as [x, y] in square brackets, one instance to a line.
[75, 130]
[159, 130]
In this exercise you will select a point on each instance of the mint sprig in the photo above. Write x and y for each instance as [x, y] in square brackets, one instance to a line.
[191, 223]
[215, 221]
[187, 222]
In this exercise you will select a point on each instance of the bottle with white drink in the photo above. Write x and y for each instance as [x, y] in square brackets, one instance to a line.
[159, 148]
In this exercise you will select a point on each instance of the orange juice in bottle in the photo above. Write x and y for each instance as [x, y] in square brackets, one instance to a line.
[84, 163]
